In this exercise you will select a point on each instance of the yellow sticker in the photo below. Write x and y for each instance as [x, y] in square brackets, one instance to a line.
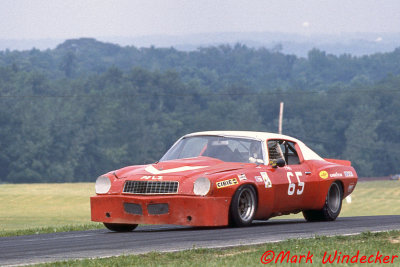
[226, 183]
[323, 174]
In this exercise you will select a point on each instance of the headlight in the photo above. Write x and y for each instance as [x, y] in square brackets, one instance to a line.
[103, 184]
[201, 186]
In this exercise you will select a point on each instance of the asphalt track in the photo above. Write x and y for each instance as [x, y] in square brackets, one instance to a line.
[21, 250]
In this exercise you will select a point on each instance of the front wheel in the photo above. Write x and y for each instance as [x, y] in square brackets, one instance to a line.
[243, 206]
[120, 227]
[332, 206]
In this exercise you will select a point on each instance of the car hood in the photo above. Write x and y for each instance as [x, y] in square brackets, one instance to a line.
[182, 167]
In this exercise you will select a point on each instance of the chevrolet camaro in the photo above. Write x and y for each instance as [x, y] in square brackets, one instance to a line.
[221, 178]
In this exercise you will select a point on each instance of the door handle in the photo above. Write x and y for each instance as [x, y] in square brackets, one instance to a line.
[308, 173]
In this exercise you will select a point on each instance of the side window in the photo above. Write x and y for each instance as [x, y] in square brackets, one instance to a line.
[281, 149]
[274, 151]
[291, 155]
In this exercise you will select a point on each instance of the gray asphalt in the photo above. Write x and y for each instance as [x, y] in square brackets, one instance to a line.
[21, 250]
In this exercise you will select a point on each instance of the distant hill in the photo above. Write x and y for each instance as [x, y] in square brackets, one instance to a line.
[348, 43]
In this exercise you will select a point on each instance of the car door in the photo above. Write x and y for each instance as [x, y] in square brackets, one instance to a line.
[290, 180]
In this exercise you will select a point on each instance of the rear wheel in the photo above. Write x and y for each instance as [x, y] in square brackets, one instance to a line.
[243, 206]
[120, 227]
[332, 206]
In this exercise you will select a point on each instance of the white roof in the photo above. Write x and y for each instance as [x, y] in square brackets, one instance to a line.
[308, 154]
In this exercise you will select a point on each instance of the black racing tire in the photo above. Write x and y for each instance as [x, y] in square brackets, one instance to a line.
[332, 206]
[243, 206]
[120, 227]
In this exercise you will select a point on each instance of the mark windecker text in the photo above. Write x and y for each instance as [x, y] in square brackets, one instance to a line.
[334, 257]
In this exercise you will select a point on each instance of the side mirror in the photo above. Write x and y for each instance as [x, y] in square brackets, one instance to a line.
[280, 163]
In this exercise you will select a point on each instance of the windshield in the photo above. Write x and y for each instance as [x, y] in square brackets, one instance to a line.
[227, 149]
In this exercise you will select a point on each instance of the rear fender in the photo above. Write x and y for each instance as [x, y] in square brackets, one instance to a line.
[345, 175]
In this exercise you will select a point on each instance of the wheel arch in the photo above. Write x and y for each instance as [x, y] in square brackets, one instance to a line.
[254, 187]
[324, 189]
[340, 182]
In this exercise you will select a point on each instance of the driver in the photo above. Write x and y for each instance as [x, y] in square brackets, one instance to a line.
[255, 153]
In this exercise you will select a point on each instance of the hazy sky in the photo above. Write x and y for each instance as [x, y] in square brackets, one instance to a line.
[35, 19]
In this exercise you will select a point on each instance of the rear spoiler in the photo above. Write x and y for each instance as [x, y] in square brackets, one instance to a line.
[340, 161]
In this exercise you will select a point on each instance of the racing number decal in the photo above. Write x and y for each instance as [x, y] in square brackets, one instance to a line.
[292, 186]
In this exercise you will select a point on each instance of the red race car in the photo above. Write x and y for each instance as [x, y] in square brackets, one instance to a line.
[224, 178]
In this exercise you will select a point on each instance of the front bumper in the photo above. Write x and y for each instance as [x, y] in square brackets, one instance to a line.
[180, 210]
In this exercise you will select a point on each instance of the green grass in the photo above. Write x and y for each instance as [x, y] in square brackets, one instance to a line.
[45, 208]
[374, 198]
[387, 243]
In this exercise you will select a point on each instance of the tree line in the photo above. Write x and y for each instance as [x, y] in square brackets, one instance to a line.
[74, 112]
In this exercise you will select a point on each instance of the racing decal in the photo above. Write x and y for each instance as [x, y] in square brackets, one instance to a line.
[336, 174]
[242, 177]
[152, 177]
[266, 179]
[227, 183]
[348, 174]
[323, 174]
[153, 170]
[259, 179]
[292, 186]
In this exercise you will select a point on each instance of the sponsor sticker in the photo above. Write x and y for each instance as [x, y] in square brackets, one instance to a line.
[152, 177]
[336, 174]
[266, 180]
[226, 183]
[242, 177]
[348, 174]
[323, 174]
[259, 179]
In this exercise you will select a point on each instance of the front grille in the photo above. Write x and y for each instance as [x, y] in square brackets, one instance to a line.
[151, 187]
